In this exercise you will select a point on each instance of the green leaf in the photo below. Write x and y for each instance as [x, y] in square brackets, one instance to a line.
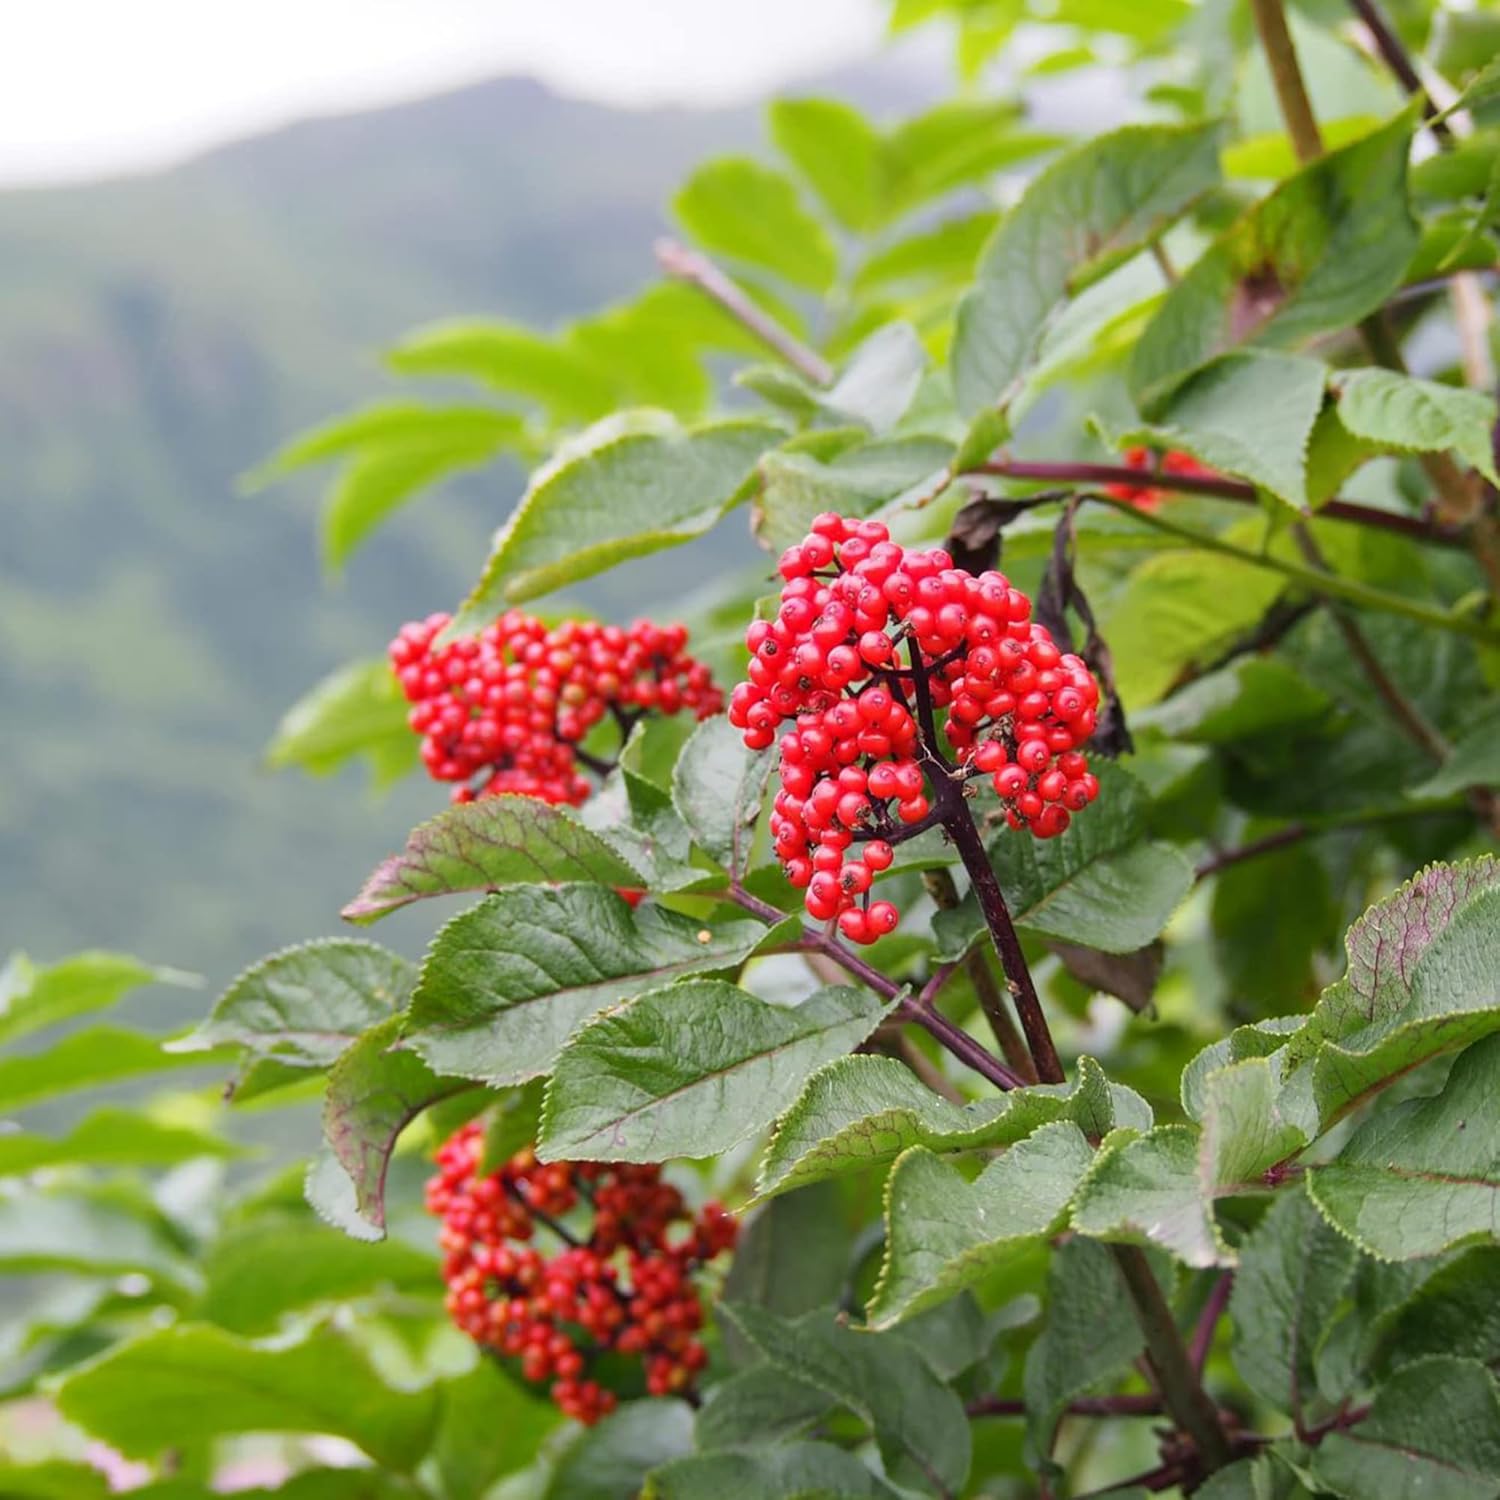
[917, 1420]
[757, 1406]
[1090, 210]
[86, 1059]
[717, 787]
[944, 1233]
[1475, 761]
[881, 378]
[512, 1124]
[1181, 609]
[492, 1426]
[306, 1004]
[1090, 1334]
[1264, 1477]
[859, 1112]
[111, 1138]
[191, 1383]
[568, 385]
[507, 983]
[1433, 1433]
[1252, 696]
[628, 486]
[1419, 416]
[957, 142]
[1293, 1274]
[479, 846]
[794, 487]
[52, 1480]
[1249, 414]
[357, 710]
[1100, 883]
[1456, 1310]
[945, 255]
[793, 1254]
[1420, 982]
[375, 1090]
[1324, 249]
[788, 1472]
[92, 1231]
[276, 1263]
[836, 150]
[743, 209]
[1148, 1191]
[611, 1461]
[1424, 1175]
[691, 1069]
[32, 998]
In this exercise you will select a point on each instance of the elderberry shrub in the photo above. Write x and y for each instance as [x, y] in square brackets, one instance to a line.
[621, 1281]
[865, 763]
[506, 710]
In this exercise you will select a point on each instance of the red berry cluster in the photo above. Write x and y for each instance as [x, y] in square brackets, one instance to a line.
[1147, 461]
[626, 1285]
[855, 766]
[511, 704]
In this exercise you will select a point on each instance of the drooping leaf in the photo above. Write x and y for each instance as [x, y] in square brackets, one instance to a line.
[692, 1068]
[881, 378]
[1249, 414]
[717, 786]
[1420, 416]
[506, 983]
[358, 710]
[1420, 982]
[1101, 883]
[1424, 1175]
[743, 209]
[194, 1382]
[917, 1420]
[1433, 1433]
[768, 1473]
[276, 1263]
[85, 1059]
[306, 1004]
[111, 1137]
[566, 384]
[944, 1233]
[94, 1231]
[1292, 1276]
[611, 1461]
[1324, 249]
[485, 845]
[375, 1090]
[836, 150]
[1090, 210]
[1091, 1334]
[33, 997]
[858, 1112]
[793, 1255]
[628, 486]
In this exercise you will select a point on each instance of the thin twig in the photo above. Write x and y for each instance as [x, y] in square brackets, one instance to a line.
[699, 271]
[1281, 56]
[1394, 55]
[1208, 1321]
[1012, 1045]
[1218, 488]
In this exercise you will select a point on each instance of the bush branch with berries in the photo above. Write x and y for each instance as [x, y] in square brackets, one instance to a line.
[1001, 1000]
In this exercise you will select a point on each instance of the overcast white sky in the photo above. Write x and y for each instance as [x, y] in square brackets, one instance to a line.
[89, 87]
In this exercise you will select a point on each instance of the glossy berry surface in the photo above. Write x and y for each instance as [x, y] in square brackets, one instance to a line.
[871, 640]
[554, 1264]
[505, 710]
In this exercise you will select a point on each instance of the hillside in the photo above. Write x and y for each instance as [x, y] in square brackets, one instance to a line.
[159, 335]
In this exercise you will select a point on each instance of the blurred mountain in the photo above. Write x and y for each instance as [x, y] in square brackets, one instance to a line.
[161, 334]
